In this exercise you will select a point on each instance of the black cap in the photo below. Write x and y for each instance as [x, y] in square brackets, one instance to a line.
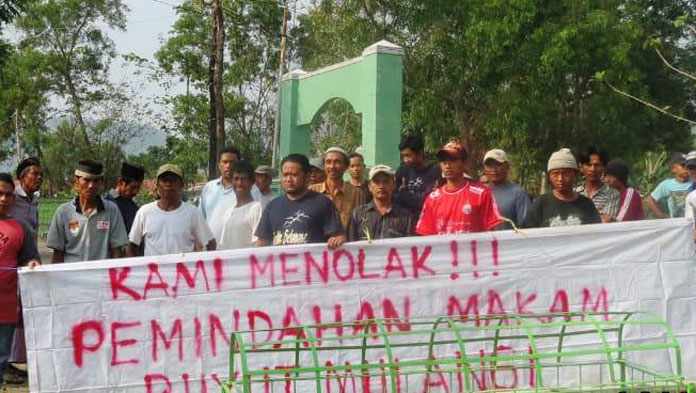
[619, 169]
[134, 172]
[678, 158]
[89, 169]
[26, 163]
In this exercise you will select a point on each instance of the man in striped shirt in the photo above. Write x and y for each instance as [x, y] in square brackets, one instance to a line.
[605, 198]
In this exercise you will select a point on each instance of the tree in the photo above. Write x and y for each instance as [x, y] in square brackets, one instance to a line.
[515, 75]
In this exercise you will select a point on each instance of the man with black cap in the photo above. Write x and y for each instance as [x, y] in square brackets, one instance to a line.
[169, 225]
[26, 206]
[88, 228]
[673, 190]
[630, 203]
[461, 205]
[127, 187]
[380, 218]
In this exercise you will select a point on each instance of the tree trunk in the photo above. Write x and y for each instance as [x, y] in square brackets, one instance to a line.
[212, 118]
[77, 112]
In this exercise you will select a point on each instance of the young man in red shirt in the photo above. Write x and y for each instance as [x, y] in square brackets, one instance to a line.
[17, 248]
[461, 205]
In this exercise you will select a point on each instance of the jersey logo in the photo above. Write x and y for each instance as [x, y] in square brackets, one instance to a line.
[103, 225]
[476, 190]
[435, 194]
[466, 209]
[74, 226]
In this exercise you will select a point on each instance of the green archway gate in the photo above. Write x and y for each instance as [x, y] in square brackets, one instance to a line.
[371, 83]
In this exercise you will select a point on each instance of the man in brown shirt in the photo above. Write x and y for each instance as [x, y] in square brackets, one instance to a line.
[342, 194]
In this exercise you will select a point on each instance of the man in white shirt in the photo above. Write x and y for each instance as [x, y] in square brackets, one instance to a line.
[218, 195]
[240, 221]
[169, 225]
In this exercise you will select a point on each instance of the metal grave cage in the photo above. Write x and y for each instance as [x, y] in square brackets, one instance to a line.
[570, 352]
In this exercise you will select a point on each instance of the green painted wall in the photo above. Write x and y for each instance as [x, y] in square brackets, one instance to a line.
[372, 84]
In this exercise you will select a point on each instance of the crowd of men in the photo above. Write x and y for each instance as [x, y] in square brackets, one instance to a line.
[319, 204]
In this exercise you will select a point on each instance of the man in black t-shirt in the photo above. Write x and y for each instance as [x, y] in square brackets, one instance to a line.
[562, 206]
[300, 216]
[415, 178]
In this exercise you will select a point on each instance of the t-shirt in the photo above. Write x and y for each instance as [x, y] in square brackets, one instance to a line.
[310, 219]
[238, 226]
[549, 211]
[214, 202]
[606, 199]
[86, 237]
[17, 247]
[674, 193]
[169, 232]
[413, 185]
[513, 203]
[471, 208]
[126, 206]
[630, 206]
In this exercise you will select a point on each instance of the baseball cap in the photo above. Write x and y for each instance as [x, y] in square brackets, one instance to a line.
[317, 163]
[169, 168]
[380, 169]
[265, 170]
[497, 155]
[678, 158]
[452, 149]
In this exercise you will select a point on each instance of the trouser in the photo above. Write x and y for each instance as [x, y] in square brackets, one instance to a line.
[6, 336]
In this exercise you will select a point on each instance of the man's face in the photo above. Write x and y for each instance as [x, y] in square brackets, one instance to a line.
[612, 181]
[7, 197]
[495, 171]
[128, 190]
[317, 176]
[294, 179]
[169, 186]
[382, 186]
[356, 168]
[681, 172]
[88, 188]
[563, 179]
[410, 158]
[225, 164]
[334, 165]
[452, 168]
[263, 181]
[241, 183]
[32, 179]
[594, 169]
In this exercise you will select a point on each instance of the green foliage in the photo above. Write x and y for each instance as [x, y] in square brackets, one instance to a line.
[523, 75]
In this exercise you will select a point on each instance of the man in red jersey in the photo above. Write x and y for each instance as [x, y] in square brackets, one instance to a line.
[461, 205]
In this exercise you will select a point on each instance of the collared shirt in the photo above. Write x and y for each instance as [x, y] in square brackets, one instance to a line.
[367, 223]
[126, 206]
[215, 200]
[606, 200]
[345, 199]
[26, 210]
[86, 237]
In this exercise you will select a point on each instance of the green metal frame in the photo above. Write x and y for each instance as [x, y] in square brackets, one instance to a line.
[608, 351]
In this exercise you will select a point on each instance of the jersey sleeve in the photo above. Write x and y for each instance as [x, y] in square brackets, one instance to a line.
[426, 223]
[490, 217]
[56, 232]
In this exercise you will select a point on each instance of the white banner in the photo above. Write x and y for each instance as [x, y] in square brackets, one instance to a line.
[162, 324]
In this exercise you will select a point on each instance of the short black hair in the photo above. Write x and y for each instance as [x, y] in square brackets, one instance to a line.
[356, 155]
[231, 150]
[245, 168]
[619, 169]
[298, 159]
[7, 178]
[26, 163]
[413, 142]
[584, 157]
